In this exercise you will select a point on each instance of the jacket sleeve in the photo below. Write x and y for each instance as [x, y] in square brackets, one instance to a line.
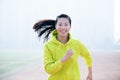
[86, 55]
[51, 66]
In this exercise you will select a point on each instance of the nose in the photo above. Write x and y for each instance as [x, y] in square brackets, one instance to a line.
[63, 27]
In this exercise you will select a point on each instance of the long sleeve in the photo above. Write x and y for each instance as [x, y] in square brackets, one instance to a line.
[51, 66]
[86, 55]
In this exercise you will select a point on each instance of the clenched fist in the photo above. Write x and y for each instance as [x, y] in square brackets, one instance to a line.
[69, 53]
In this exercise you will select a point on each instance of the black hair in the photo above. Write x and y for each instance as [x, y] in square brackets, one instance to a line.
[45, 27]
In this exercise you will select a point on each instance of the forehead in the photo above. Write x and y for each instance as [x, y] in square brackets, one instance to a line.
[63, 20]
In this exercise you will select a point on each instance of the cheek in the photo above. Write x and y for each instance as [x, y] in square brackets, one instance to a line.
[68, 28]
[57, 28]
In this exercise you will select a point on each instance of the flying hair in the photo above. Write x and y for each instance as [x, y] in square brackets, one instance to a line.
[46, 26]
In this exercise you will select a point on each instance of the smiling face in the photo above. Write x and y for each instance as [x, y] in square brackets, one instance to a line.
[63, 27]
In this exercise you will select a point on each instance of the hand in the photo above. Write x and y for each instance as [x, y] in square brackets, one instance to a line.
[69, 53]
[67, 56]
[89, 76]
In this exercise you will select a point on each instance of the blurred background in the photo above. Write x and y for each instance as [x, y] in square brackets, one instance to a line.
[94, 22]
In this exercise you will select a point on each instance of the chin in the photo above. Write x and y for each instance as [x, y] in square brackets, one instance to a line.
[64, 35]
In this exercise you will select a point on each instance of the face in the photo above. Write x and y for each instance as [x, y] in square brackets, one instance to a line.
[63, 27]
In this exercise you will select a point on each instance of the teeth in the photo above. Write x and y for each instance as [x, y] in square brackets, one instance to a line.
[63, 31]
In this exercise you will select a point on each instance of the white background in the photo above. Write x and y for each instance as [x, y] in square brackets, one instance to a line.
[92, 22]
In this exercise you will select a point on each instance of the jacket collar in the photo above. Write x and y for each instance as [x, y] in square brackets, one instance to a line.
[54, 35]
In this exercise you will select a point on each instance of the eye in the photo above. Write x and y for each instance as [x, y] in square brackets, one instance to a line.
[66, 24]
[60, 24]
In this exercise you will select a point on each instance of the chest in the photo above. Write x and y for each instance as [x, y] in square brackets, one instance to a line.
[60, 51]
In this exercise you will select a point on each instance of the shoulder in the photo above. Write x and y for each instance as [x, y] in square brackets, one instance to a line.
[76, 41]
[49, 44]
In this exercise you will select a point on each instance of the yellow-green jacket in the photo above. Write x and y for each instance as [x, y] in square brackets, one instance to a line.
[54, 52]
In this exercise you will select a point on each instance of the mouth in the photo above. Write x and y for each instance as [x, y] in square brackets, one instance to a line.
[63, 31]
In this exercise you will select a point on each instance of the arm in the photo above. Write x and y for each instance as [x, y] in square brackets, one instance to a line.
[86, 56]
[89, 75]
[88, 60]
[51, 66]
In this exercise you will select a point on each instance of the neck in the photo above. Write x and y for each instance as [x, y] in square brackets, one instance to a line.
[62, 39]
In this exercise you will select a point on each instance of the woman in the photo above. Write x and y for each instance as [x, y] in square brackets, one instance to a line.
[61, 51]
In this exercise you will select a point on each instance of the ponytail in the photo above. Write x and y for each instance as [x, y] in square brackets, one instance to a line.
[44, 28]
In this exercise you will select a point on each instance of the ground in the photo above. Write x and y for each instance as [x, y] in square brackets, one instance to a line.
[106, 66]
